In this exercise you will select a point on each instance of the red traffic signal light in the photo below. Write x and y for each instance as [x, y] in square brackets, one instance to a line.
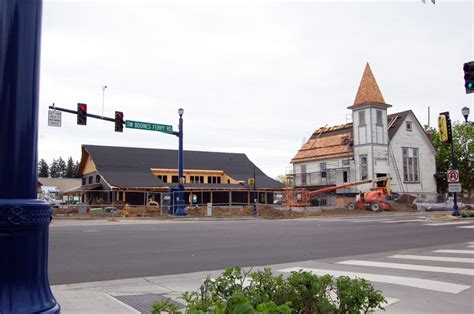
[81, 114]
[119, 121]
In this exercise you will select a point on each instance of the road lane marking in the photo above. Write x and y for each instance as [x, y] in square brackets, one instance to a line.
[368, 220]
[467, 227]
[455, 251]
[435, 258]
[400, 221]
[448, 223]
[426, 284]
[433, 269]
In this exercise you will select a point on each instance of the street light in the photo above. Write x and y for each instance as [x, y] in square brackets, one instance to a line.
[465, 112]
[103, 98]
[180, 210]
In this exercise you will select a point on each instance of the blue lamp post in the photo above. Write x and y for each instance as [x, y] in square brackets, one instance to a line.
[24, 220]
[180, 210]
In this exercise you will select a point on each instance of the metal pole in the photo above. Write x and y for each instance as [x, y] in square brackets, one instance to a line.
[455, 195]
[103, 98]
[180, 211]
[254, 194]
[24, 220]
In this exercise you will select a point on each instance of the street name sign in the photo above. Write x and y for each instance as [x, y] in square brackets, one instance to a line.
[148, 126]
[454, 187]
[453, 176]
[54, 118]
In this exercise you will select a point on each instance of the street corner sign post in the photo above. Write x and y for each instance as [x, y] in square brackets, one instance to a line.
[24, 220]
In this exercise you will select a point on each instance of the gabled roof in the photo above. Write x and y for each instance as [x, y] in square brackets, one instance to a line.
[131, 167]
[336, 141]
[63, 184]
[395, 120]
[368, 92]
[327, 142]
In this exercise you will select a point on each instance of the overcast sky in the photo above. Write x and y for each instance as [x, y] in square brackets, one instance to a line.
[254, 78]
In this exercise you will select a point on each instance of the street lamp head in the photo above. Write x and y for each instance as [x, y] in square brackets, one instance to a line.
[465, 112]
[180, 112]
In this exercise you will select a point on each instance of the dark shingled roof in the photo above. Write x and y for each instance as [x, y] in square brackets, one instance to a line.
[131, 167]
[395, 120]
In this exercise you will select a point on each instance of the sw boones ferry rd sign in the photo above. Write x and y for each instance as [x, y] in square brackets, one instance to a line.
[129, 124]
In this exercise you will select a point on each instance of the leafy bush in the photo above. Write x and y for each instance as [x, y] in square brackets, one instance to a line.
[467, 214]
[236, 291]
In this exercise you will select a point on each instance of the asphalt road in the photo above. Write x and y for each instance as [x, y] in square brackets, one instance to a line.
[86, 253]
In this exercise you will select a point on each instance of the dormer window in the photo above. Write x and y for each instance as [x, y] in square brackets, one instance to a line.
[409, 126]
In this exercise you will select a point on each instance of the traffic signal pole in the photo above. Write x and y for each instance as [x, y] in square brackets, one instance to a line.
[24, 220]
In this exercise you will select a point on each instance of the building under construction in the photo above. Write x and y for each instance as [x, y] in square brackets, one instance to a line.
[375, 144]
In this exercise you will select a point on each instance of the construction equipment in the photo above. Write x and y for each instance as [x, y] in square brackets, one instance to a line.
[373, 199]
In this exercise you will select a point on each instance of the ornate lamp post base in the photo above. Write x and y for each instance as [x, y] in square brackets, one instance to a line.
[24, 284]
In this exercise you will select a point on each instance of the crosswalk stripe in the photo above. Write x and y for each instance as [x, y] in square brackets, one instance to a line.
[467, 227]
[426, 284]
[434, 269]
[448, 223]
[470, 246]
[455, 251]
[399, 221]
[435, 258]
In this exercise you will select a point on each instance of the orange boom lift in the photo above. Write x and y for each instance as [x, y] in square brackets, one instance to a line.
[373, 199]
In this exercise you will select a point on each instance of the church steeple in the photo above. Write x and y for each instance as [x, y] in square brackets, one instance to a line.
[369, 92]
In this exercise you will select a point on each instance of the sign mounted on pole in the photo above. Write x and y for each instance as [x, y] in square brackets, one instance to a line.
[148, 126]
[454, 188]
[54, 118]
[453, 176]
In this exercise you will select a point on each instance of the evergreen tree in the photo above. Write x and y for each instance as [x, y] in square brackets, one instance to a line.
[54, 169]
[70, 168]
[62, 167]
[76, 168]
[43, 169]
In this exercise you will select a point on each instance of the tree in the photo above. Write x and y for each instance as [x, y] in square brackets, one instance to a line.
[62, 167]
[43, 169]
[76, 168]
[463, 138]
[70, 168]
[54, 169]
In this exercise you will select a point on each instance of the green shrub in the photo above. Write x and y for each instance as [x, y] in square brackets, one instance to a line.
[236, 291]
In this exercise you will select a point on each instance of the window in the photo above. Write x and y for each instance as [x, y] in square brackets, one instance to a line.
[409, 126]
[83, 181]
[174, 179]
[228, 181]
[197, 179]
[364, 170]
[345, 176]
[163, 178]
[362, 118]
[97, 179]
[345, 162]
[303, 174]
[322, 168]
[410, 165]
[212, 179]
[90, 180]
[379, 117]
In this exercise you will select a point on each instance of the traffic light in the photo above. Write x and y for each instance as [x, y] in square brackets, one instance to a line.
[469, 77]
[119, 121]
[81, 114]
[445, 132]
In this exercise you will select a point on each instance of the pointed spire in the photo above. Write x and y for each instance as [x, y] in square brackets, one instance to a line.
[369, 91]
